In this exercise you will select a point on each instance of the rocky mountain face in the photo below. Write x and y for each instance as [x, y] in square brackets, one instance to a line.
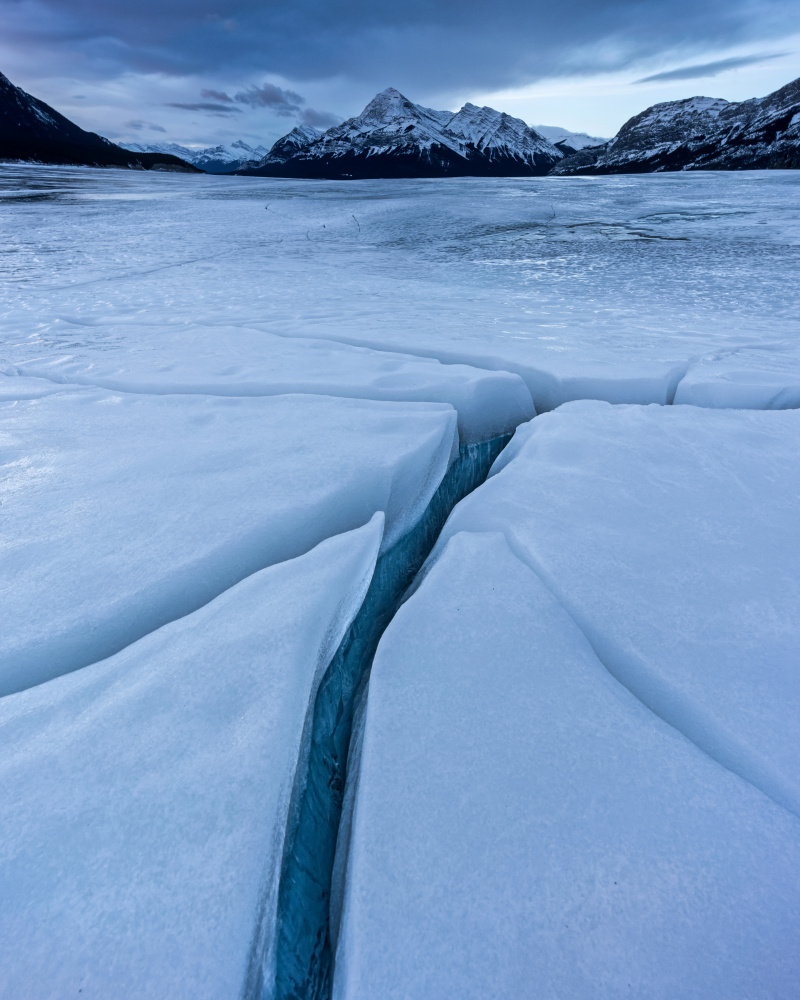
[701, 133]
[222, 159]
[289, 146]
[393, 137]
[32, 130]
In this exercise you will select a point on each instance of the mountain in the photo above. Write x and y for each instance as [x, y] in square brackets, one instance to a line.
[568, 142]
[392, 137]
[290, 145]
[168, 148]
[701, 133]
[213, 160]
[32, 130]
[227, 159]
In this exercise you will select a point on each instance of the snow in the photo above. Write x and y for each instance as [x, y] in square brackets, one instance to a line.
[171, 148]
[580, 758]
[766, 379]
[392, 122]
[577, 140]
[18, 388]
[488, 129]
[240, 362]
[122, 512]
[608, 287]
[144, 799]
[525, 827]
[670, 535]
[236, 152]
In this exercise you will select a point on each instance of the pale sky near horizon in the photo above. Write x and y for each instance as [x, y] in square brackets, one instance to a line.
[200, 72]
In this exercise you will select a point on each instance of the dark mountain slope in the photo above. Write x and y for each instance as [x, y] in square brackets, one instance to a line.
[32, 130]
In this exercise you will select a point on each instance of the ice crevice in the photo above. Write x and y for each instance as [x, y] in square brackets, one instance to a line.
[301, 953]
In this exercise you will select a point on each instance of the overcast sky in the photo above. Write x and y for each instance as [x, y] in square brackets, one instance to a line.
[205, 71]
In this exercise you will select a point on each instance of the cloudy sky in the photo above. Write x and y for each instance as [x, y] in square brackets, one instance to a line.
[206, 71]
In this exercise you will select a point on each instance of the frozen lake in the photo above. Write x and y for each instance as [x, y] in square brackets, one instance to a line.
[606, 288]
[533, 445]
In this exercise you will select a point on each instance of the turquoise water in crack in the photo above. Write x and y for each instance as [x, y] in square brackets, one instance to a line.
[303, 947]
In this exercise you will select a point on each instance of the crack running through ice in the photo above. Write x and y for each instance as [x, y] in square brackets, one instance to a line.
[702, 730]
[302, 948]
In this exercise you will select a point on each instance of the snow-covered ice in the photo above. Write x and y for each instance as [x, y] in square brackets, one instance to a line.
[757, 379]
[242, 362]
[671, 536]
[580, 758]
[144, 799]
[525, 827]
[122, 512]
[605, 287]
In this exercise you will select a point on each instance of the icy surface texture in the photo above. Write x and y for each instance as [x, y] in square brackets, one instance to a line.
[14, 388]
[231, 361]
[603, 288]
[124, 512]
[525, 827]
[304, 931]
[670, 535]
[143, 800]
[757, 379]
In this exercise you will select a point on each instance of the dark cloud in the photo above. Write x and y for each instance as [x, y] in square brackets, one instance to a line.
[417, 45]
[139, 125]
[216, 95]
[282, 102]
[319, 119]
[710, 69]
[219, 109]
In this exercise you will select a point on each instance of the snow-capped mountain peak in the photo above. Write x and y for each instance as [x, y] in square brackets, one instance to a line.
[702, 133]
[568, 141]
[391, 114]
[213, 159]
[486, 128]
[395, 137]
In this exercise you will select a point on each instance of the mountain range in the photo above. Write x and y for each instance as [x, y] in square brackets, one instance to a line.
[31, 130]
[220, 159]
[392, 137]
[701, 133]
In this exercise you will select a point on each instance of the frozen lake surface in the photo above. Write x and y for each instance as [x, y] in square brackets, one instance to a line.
[608, 288]
[235, 417]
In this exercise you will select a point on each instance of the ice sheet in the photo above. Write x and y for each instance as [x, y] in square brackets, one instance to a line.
[603, 287]
[14, 388]
[748, 379]
[670, 534]
[143, 800]
[123, 512]
[524, 827]
[231, 361]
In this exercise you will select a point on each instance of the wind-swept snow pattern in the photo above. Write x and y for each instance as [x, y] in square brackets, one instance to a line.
[525, 827]
[670, 535]
[123, 512]
[144, 798]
